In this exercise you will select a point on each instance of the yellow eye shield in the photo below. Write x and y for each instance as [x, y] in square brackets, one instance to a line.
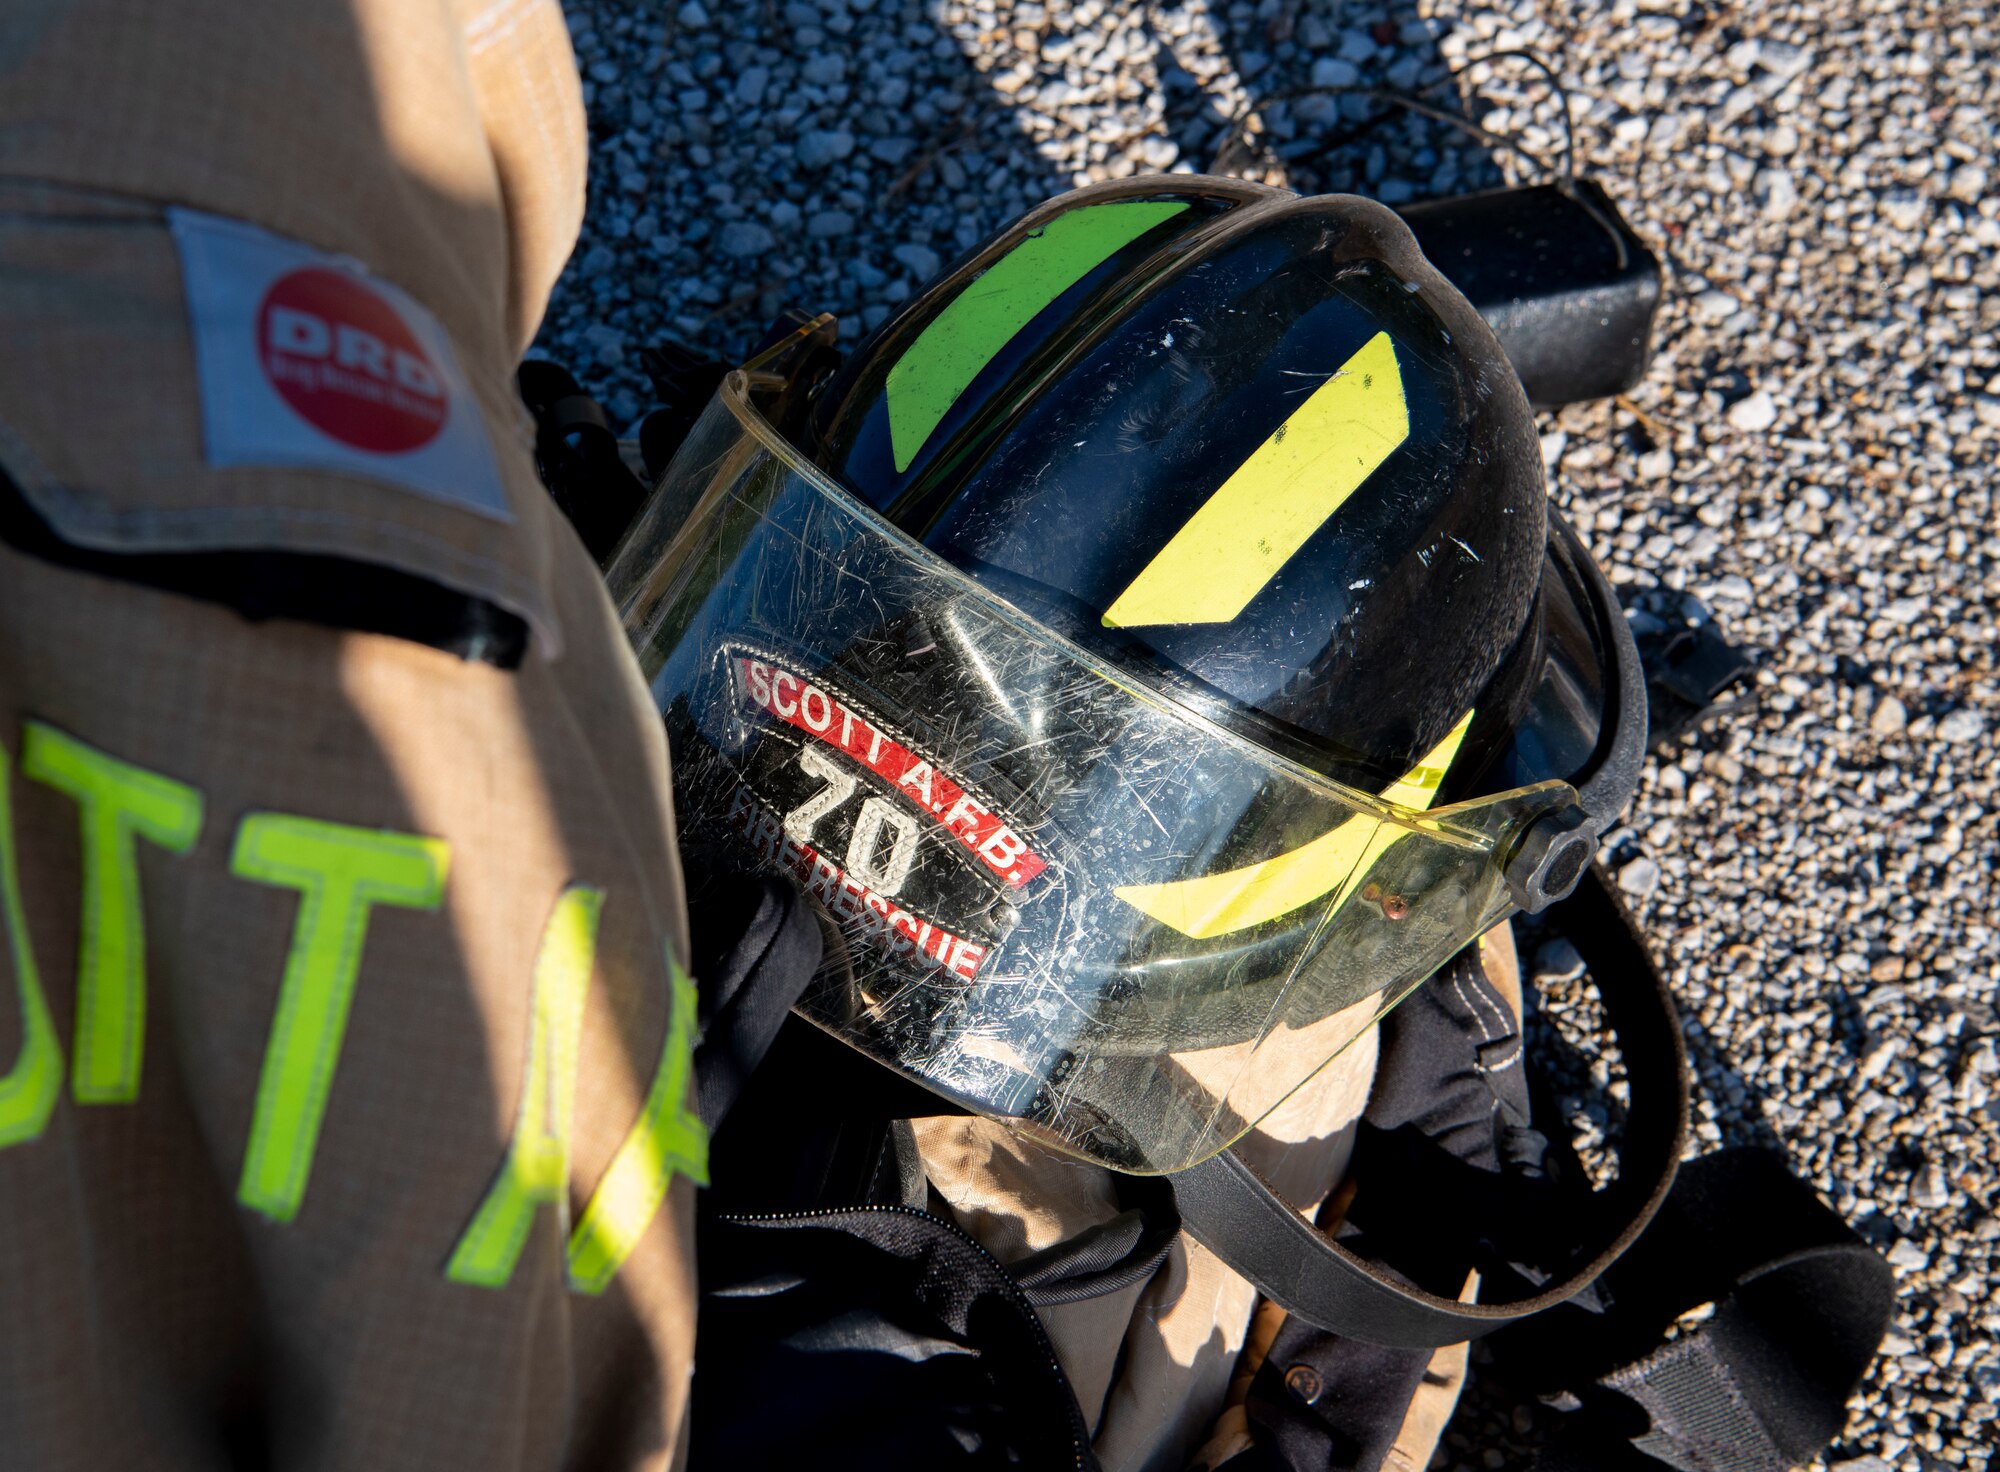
[1064, 899]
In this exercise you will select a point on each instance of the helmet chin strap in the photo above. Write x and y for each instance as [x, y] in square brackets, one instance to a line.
[1229, 1210]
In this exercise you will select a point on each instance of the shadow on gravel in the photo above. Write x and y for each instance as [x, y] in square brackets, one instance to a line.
[1721, 1081]
[835, 154]
[1333, 138]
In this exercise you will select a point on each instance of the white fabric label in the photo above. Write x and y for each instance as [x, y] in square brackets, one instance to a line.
[306, 359]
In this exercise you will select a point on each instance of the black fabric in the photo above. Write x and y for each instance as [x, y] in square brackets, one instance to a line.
[869, 1338]
[1108, 1257]
[893, 1339]
[813, 1130]
[334, 592]
[756, 945]
[1450, 1095]
[1758, 1384]
[1322, 1402]
[578, 457]
[1450, 1066]
[889, 1337]
[1439, 1215]
[1450, 1117]
[1450, 1092]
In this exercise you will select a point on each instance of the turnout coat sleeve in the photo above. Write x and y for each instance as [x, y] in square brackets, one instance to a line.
[344, 1020]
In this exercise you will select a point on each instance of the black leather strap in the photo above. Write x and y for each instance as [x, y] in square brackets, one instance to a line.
[1228, 1209]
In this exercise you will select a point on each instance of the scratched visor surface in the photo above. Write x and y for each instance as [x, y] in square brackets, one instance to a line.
[1062, 899]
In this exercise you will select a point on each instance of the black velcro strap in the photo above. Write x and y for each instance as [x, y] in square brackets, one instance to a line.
[1759, 1381]
[1701, 1419]
[578, 412]
[578, 458]
[1236, 1215]
[1105, 1258]
[313, 588]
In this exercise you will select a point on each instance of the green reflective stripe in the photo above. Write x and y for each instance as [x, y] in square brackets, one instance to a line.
[537, 1166]
[27, 1090]
[666, 1139]
[963, 338]
[340, 873]
[117, 802]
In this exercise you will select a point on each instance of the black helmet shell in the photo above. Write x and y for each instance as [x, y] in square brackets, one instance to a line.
[1056, 409]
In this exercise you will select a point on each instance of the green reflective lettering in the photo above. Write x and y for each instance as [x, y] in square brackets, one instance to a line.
[117, 803]
[27, 1090]
[537, 1166]
[666, 1139]
[340, 873]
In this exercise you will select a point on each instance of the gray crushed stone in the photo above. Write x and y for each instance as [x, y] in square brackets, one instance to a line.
[1809, 462]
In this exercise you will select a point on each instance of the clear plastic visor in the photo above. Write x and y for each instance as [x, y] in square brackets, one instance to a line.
[1059, 898]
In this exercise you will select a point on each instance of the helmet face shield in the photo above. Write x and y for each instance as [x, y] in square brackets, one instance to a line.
[1062, 898]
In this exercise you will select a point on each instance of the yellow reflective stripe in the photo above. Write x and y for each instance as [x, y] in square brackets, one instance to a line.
[1418, 787]
[27, 1090]
[537, 1166]
[1249, 529]
[116, 803]
[667, 1139]
[1221, 904]
[1415, 789]
[340, 873]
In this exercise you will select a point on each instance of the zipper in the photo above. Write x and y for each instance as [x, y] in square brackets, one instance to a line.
[1079, 1434]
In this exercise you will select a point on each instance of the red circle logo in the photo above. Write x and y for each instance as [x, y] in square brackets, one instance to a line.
[348, 364]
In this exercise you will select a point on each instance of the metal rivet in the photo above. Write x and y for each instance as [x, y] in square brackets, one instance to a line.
[1304, 1382]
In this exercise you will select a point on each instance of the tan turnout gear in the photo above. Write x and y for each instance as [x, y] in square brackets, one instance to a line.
[344, 1025]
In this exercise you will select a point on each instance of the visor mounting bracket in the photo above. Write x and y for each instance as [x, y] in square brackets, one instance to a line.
[1551, 858]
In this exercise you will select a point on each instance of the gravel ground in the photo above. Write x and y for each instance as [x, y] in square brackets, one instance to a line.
[1809, 458]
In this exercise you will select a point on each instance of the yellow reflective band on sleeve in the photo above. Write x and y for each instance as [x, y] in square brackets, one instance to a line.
[1275, 500]
[537, 1165]
[117, 803]
[667, 1139]
[27, 1090]
[1221, 904]
[340, 873]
